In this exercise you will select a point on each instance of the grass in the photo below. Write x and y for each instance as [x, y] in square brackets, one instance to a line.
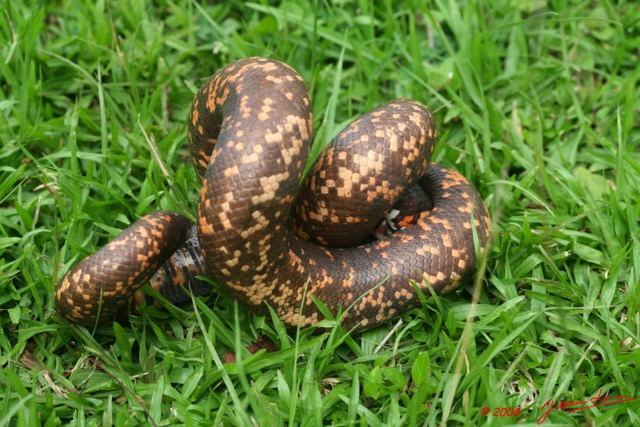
[537, 104]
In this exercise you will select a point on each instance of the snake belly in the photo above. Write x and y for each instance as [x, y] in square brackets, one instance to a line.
[269, 241]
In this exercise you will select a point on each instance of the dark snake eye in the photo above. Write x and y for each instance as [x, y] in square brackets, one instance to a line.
[265, 241]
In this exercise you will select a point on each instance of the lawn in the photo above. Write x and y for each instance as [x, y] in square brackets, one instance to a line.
[537, 103]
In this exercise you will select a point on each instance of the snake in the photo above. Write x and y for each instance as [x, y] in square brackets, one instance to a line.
[271, 238]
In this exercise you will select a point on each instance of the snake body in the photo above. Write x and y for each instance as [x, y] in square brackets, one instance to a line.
[265, 242]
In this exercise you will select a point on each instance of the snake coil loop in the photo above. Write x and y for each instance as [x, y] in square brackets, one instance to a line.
[265, 242]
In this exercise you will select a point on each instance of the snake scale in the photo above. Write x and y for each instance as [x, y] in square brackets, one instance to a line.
[267, 243]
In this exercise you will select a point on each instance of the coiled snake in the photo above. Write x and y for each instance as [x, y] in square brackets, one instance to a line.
[265, 242]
